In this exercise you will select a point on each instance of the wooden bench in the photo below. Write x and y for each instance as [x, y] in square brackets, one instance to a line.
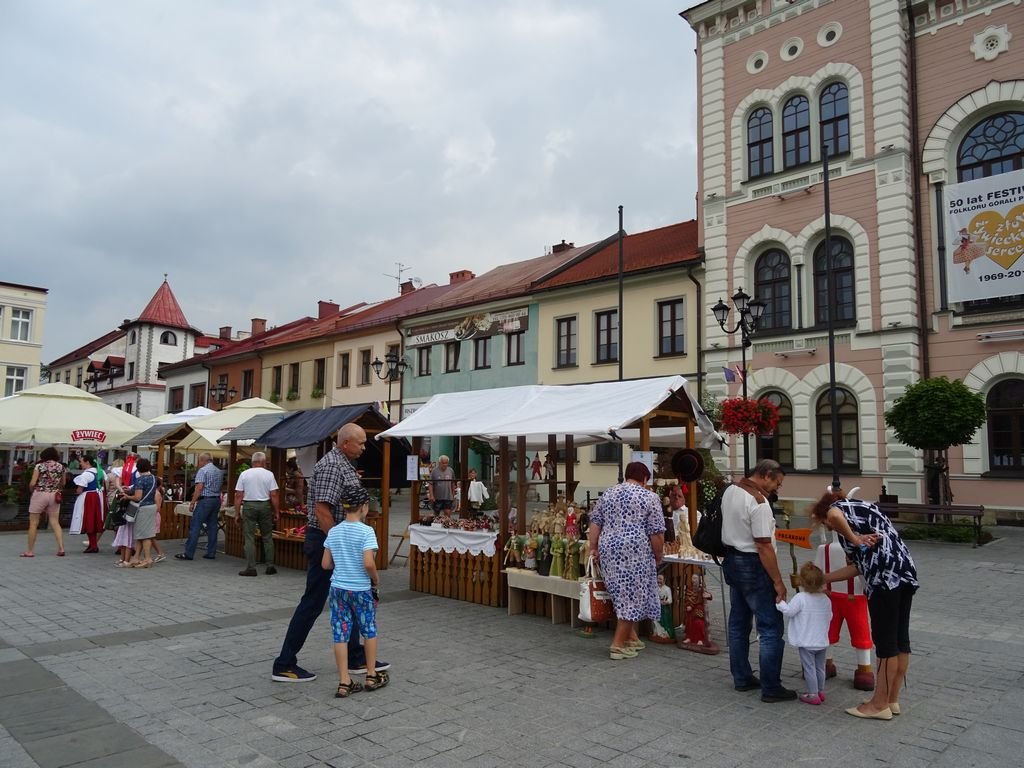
[563, 596]
[930, 512]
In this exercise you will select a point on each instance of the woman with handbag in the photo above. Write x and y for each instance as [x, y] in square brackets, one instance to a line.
[47, 483]
[143, 493]
[627, 538]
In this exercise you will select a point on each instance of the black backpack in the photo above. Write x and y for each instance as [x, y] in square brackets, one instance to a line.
[708, 536]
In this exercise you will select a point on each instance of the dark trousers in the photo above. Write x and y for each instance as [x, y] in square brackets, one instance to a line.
[318, 586]
[207, 511]
[752, 599]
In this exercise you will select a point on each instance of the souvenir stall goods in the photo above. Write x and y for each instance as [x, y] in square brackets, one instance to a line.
[693, 635]
[663, 631]
[522, 424]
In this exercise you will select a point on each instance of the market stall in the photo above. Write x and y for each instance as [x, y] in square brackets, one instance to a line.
[311, 434]
[521, 418]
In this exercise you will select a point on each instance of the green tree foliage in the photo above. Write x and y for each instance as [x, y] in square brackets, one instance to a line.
[936, 413]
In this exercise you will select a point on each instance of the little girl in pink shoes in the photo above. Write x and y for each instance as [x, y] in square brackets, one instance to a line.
[809, 616]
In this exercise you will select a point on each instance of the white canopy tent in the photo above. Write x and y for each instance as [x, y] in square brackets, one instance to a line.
[207, 430]
[589, 412]
[182, 416]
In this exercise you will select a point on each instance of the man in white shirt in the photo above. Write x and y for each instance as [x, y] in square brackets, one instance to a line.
[752, 572]
[257, 497]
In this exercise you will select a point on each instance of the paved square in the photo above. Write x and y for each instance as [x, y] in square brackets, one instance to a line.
[171, 666]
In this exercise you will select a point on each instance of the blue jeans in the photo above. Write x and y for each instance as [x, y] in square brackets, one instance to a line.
[318, 587]
[752, 598]
[207, 511]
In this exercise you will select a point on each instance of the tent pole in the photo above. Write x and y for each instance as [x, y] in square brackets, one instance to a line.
[503, 504]
[552, 453]
[521, 484]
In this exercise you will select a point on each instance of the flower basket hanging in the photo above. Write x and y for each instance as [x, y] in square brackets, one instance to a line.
[745, 416]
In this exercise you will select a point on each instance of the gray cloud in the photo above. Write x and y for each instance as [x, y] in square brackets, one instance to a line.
[270, 154]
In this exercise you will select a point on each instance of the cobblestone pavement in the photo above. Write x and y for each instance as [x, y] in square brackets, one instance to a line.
[101, 666]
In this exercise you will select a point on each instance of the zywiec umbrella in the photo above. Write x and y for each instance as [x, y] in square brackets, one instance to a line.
[59, 414]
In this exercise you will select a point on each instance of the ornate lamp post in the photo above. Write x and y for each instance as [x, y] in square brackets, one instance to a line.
[750, 312]
[219, 393]
[396, 367]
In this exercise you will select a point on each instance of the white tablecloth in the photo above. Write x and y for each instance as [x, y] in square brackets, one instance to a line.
[438, 539]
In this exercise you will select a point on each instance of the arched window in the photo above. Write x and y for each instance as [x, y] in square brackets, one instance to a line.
[760, 147]
[835, 119]
[771, 285]
[778, 446]
[1006, 426]
[843, 298]
[796, 132]
[849, 431]
[168, 338]
[993, 146]
[131, 338]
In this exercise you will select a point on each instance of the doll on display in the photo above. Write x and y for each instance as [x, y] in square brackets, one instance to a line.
[572, 530]
[544, 555]
[530, 552]
[557, 556]
[695, 624]
[571, 571]
[513, 555]
[662, 630]
[535, 467]
[549, 468]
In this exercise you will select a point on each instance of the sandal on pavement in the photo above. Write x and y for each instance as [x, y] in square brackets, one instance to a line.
[143, 564]
[636, 645]
[347, 689]
[374, 682]
[26, 554]
[61, 553]
[617, 654]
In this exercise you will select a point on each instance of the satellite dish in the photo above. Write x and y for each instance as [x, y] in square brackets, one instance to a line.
[417, 282]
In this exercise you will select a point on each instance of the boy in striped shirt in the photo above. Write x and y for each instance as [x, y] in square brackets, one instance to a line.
[350, 550]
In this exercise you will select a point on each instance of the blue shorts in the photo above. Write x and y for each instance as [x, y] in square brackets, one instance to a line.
[346, 605]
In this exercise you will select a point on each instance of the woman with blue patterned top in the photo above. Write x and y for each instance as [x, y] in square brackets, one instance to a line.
[880, 556]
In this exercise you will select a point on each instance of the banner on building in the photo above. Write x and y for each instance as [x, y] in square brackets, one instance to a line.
[471, 326]
[985, 228]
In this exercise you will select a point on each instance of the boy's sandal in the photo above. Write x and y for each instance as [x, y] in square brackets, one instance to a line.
[379, 680]
[347, 689]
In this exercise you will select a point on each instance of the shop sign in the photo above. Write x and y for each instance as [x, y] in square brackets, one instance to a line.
[985, 223]
[468, 327]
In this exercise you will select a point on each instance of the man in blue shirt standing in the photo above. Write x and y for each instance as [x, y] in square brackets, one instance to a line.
[205, 508]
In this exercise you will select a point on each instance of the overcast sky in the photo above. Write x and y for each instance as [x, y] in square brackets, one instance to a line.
[267, 154]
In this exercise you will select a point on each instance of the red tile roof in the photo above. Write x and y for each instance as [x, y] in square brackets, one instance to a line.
[239, 347]
[508, 280]
[87, 349]
[163, 309]
[644, 251]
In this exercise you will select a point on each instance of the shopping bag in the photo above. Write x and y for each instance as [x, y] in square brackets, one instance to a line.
[595, 602]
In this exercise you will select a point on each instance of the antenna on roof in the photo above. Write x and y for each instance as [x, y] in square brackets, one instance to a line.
[401, 268]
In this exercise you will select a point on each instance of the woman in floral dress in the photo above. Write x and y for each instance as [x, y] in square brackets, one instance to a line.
[627, 536]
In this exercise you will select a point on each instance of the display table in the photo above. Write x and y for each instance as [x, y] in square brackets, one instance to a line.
[679, 580]
[448, 562]
[288, 550]
[562, 596]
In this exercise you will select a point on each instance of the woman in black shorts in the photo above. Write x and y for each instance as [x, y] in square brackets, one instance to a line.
[877, 553]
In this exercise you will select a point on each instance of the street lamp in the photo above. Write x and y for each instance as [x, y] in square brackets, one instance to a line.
[396, 366]
[750, 312]
[219, 392]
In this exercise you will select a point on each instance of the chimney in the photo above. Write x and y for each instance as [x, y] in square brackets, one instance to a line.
[259, 325]
[326, 309]
[225, 331]
[562, 246]
[407, 287]
[462, 276]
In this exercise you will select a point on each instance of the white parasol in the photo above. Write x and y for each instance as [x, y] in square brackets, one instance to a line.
[59, 414]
